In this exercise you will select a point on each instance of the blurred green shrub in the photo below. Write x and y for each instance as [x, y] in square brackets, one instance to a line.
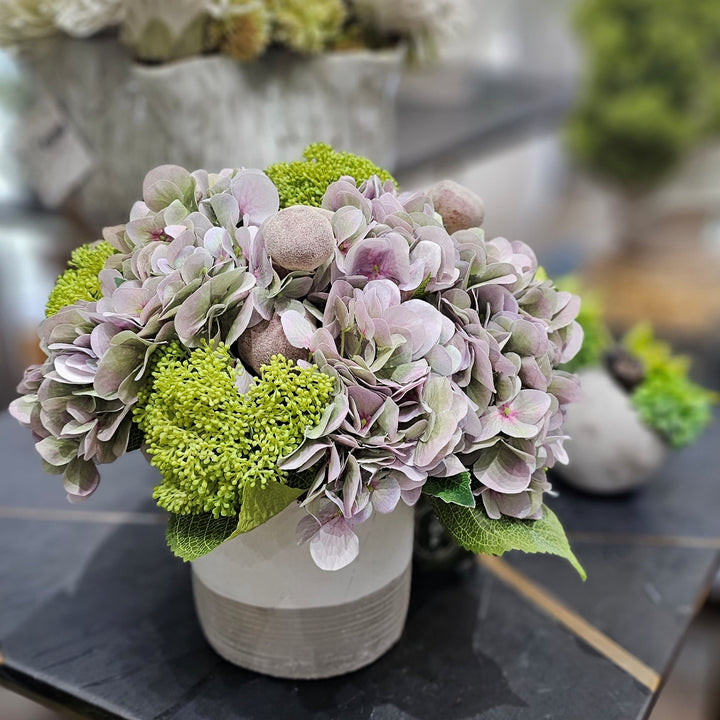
[667, 400]
[652, 86]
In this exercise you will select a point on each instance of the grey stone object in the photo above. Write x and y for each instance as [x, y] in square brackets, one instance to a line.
[611, 450]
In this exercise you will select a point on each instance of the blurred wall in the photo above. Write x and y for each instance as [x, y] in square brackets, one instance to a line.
[527, 37]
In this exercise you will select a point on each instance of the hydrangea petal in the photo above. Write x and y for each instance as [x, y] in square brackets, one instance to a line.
[256, 195]
[297, 328]
[335, 545]
[386, 495]
[504, 468]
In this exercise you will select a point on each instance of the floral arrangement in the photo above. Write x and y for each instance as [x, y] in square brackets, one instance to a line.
[243, 29]
[658, 381]
[310, 335]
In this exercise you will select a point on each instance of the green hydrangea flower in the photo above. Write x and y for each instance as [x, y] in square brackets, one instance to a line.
[80, 280]
[667, 400]
[304, 182]
[209, 441]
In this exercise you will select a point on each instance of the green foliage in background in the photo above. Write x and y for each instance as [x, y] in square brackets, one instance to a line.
[652, 88]
[667, 399]
[306, 26]
[245, 29]
[597, 337]
[243, 34]
[304, 182]
[80, 280]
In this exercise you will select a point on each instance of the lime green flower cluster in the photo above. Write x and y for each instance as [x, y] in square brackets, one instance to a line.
[80, 280]
[596, 335]
[209, 441]
[304, 182]
[667, 399]
[306, 26]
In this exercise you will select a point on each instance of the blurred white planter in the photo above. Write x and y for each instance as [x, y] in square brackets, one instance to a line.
[211, 112]
[611, 450]
[263, 604]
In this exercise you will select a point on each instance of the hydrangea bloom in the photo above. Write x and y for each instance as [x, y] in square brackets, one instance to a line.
[396, 354]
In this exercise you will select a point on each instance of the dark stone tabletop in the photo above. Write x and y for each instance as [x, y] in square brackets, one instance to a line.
[96, 614]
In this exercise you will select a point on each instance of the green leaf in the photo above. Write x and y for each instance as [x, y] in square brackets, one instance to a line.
[192, 536]
[475, 531]
[455, 489]
[260, 503]
[420, 292]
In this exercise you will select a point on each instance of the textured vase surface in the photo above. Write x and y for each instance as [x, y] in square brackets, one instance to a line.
[210, 112]
[264, 605]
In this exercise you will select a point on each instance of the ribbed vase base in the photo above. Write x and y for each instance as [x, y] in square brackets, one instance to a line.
[306, 643]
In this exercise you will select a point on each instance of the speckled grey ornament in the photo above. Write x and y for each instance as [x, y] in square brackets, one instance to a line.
[460, 208]
[611, 449]
[259, 343]
[299, 238]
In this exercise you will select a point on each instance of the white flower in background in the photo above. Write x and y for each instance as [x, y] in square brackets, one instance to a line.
[81, 18]
[223, 9]
[27, 19]
[420, 21]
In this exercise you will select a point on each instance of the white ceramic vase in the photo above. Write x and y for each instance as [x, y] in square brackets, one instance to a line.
[210, 112]
[611, 449]
[263, 604]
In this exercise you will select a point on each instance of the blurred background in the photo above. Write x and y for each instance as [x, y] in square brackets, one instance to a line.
[591, 128]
